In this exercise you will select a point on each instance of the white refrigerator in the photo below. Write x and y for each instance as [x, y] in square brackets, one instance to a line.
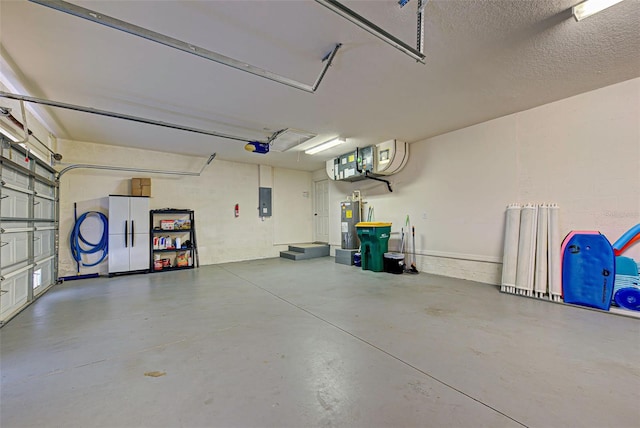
[128, 233]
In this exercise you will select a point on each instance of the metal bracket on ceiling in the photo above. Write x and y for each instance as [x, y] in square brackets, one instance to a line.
[153, 36]
[275, 135]
[420, 36]
[421, 5]
[138, 119]
[372, 28]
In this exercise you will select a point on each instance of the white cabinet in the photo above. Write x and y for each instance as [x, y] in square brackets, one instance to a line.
[128, 234]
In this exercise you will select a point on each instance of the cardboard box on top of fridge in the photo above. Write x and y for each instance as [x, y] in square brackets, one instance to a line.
[140, 187]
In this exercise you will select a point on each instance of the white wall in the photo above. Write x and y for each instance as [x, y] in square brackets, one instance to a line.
[221, 236]
[582, 153]
[292, 199]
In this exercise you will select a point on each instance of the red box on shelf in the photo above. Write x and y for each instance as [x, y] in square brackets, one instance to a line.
[167, 224]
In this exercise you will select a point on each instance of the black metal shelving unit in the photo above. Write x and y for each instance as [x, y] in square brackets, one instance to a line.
[155, 218]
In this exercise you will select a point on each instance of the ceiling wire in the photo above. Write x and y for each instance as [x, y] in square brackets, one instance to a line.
[107, 113]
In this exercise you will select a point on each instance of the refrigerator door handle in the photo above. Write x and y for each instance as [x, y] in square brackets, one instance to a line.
[126, 233]
[132, 233]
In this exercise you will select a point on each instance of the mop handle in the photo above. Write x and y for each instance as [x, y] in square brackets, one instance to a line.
[413, 241]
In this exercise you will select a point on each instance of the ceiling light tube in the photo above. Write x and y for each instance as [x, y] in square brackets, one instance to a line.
[591, 7]
[325, 146]
[372, 28]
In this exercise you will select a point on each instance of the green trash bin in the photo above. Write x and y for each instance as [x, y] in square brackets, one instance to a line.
[374, 242]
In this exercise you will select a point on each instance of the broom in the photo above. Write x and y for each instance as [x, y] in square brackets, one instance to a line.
[413, 268]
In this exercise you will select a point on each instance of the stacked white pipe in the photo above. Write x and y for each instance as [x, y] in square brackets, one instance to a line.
[510, 254]
[531, 258]
[555, 257]
[542, 247]
[526, 250]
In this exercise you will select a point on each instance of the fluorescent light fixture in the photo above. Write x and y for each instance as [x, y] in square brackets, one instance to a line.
[325, 146]
[591, 7]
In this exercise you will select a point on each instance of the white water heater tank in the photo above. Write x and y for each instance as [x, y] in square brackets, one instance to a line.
[390, 157]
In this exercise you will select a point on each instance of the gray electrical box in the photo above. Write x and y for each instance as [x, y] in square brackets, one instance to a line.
[346, 166]
[349, 217]
[264, 202]
[365, 159]
[353, 166]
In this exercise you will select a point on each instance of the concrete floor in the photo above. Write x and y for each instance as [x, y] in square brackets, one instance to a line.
[312, 343]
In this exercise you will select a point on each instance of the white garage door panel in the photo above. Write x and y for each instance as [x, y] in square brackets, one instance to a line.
[12, 176]
[13, 294]
[14, 204]
[43, 172]
[43, 208]
[29, 233]
[43, 243]
[43, 189]
[43, 275]
[15, 248]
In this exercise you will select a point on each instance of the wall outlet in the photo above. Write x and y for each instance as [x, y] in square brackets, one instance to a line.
[424, 215]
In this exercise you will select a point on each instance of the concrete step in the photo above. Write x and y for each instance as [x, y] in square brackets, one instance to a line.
[305, 251]
[294, 255]
[314, 250]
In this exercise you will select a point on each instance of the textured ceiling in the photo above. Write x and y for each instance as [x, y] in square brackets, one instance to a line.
[485, 59]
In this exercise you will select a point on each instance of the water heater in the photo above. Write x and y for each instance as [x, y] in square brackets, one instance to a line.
[349, 217]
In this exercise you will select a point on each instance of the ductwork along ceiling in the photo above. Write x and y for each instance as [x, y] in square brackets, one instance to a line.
[483, 60]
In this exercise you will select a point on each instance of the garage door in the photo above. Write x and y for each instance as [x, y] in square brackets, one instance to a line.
[28, 229]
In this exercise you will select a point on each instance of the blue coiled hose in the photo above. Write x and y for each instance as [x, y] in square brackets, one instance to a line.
[76, 240]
